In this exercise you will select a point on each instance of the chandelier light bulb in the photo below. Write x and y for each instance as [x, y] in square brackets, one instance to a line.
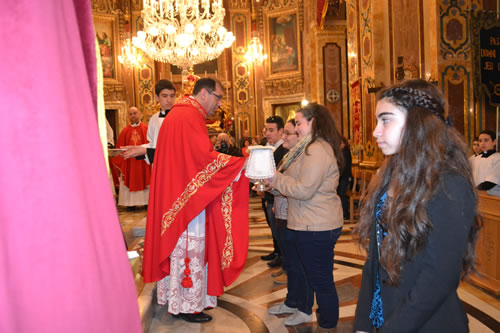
[229, 39]
[141, 35]
[222, 31]
[254, 52]
[153, 31]
[170, 29]
[189, 28]
[205, 28]
[130, 56]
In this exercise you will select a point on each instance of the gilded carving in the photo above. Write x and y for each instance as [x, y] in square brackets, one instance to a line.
[239, 4]
[109, 6]
[339, 30]
[454, 20]
[113, 92]
[288, 86]
[150, 110]
[137, 5]
[277, 4]
[277, 7]
[366, 35]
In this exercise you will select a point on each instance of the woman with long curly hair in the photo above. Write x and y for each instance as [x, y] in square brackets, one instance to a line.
[309, 179]
[419, 222]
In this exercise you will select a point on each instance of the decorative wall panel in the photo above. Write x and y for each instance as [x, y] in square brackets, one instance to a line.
[144, 77]
[406, 39]
[456, 79]
[244, 109]
[455, 63]
[353, 60]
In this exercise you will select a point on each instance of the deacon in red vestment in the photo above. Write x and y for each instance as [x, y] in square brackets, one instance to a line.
[197, 225]
[135, 174]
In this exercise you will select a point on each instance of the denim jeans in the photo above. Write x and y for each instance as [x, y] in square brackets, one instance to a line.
[267, 206]
[310, 270]
[281, 235]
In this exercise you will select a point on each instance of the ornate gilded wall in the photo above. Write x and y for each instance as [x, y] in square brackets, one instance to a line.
[390, 41]
[243, 74]
[455, 63]
[123, 86]
[305, 62]
[363, 46]
[362, 67]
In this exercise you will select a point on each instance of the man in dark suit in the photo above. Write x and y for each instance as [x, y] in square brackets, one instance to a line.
[274, 135]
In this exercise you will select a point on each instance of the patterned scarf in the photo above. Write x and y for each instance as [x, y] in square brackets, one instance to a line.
[294, 153]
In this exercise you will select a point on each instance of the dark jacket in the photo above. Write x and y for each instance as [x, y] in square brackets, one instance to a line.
[278, 156]
[426, 298]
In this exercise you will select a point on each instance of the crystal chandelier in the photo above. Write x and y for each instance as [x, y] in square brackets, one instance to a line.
[130, 56]
[183, 32]
[254, 52]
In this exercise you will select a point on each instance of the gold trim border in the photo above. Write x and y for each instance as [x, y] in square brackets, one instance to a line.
[196, 183]
[227, 209]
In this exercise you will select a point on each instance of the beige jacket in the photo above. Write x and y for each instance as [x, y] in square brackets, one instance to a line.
[310, 184]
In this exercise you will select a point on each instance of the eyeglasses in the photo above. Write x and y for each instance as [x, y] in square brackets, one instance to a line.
[290, 133]
[219, 97]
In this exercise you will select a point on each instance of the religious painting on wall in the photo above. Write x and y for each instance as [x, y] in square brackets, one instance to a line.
[106, 34]
[283, 44]
[286, 111]
[209, 67]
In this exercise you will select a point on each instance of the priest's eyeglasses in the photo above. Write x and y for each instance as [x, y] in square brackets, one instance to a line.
[219, 97]
[290, 133]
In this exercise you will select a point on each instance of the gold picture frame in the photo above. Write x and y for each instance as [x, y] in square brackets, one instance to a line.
[213, 68]
[283, 44]
[106, 30]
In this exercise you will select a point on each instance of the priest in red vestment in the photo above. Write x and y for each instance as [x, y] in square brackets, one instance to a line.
[197, 226]
[135, 174]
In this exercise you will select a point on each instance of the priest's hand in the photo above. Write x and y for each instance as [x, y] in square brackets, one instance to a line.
[133, 151]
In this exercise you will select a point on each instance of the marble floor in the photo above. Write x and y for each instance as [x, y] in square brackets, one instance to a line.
[243, 307]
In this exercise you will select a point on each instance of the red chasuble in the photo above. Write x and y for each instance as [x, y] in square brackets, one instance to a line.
[188, 177]
[136, 173]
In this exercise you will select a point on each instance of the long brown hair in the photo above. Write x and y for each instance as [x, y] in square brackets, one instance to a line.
[429, 146]
[323, 127]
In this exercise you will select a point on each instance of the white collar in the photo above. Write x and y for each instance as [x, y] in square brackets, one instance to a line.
[135, 125]
[279, 143]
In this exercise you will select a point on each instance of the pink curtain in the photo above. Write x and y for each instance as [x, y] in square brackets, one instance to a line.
[63, 264]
